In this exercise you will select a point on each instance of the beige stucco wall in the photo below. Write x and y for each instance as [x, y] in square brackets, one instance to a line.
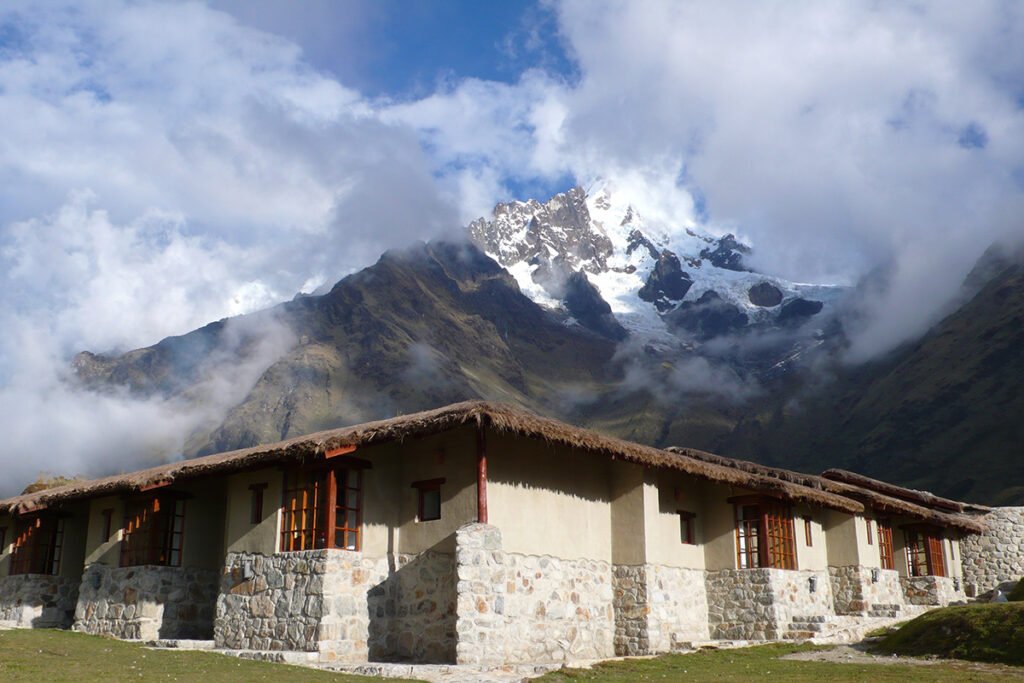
[719, 527]
[665, 494]
[203, 544]
[814, 556]
[451, 456]
[240, 534]
[844, 534]
[549, 500]
[76, 525]
[626, 487]
[6, 522]
[97, 548]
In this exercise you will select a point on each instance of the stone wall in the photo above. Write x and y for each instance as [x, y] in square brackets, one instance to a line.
[997, 556]
[761, 604]
[859, 590]
[146, 602]
[339, 603]
[412, 612]
[658, 608]
[515, 608]
[932, 590]
[38, 601]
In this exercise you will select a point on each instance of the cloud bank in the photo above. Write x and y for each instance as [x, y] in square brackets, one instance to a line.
[165, 165]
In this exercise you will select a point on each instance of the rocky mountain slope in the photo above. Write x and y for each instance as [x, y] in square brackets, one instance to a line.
[944, 413]
[611, 323]
[423, 327]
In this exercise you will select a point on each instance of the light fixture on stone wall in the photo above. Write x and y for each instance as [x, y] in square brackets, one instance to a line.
[956, 583]
[812, 584]
[875, 573]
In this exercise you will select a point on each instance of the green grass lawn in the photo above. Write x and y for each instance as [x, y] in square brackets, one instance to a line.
[991, 632]
[763, 664]
[47, 655]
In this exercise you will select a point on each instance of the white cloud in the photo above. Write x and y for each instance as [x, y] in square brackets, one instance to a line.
[162, 166]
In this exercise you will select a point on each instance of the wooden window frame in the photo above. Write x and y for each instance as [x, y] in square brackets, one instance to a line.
[422, 488]
[38, 545]
[871, 539]
[808, 532]
[310, 509]
[765, 533]
[153, 532]
[256, 492]
[886, 551]
[924, 550]
[686, 527]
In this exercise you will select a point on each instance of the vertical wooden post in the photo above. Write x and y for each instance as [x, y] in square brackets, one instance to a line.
[481, 474]
[330, 509]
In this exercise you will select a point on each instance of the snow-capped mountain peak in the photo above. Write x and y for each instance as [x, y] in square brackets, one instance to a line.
[659, 280]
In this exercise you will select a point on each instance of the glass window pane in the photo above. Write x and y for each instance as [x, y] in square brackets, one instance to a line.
[431, 504]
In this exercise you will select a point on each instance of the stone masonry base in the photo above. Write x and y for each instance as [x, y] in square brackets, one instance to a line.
[37, 601]
[146, 602]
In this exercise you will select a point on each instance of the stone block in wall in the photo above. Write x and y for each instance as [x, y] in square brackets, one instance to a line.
[38, 600]
[658, 608]
[761, 604]
[997, 555]
[146, 602]
[514, 608]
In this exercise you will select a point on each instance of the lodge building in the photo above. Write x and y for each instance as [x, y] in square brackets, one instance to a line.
[475, 533]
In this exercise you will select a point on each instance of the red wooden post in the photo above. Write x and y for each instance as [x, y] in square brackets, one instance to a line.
[481, 475]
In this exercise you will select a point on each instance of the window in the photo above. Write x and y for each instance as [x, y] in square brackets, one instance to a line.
[765, 536]
[322, 509]
[808, 538]
[885, 552]
[154, 530]
[3, 539]
[924, 552]
[686, 527]
[108, 520]
[428, 506]
[256, 502]
[38, 542]
[871, 539]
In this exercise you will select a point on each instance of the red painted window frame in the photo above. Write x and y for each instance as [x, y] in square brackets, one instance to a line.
[311, 508]
[886, 552]
[765, 533]
[153, 532]
[808, 532]
[38, 545]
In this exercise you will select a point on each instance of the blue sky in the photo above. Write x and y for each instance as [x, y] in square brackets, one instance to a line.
[403, 48]
[165, 164]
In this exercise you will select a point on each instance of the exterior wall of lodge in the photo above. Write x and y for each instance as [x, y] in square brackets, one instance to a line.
[583, 557]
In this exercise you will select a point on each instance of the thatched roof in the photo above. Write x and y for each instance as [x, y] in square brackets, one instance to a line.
[499, 417]
[913, 495]
[877, 500]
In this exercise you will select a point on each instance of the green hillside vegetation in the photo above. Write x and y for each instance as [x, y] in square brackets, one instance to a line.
[992, 632]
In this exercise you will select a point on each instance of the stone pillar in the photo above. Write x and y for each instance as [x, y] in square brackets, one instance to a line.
[995, 558]
[630, 602]
[480, 595]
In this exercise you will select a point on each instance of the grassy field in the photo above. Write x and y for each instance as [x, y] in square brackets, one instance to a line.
[59, 656]
[763, 664]
[45, 655]
[984, 633]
